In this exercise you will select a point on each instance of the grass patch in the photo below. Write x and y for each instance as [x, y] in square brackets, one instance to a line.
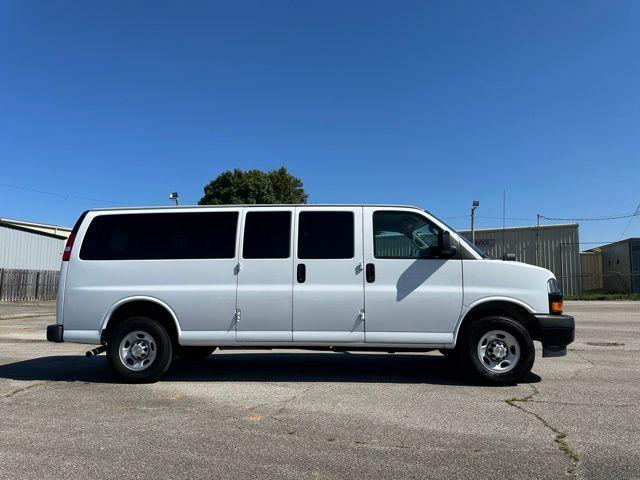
[604, 296]
[560, 437]
[565, 447]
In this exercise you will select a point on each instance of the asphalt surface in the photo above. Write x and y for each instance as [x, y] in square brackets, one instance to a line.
[296, 414]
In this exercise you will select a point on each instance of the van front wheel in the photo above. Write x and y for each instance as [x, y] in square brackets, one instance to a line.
[139, 350]
[498, 350]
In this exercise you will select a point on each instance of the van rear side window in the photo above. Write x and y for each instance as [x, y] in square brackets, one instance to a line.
[326, 235]
[161, 236]
[267, 235]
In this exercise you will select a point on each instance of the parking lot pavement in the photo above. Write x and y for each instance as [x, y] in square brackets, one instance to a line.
[296, 414]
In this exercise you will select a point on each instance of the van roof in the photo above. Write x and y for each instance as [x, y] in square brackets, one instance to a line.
[174, 207]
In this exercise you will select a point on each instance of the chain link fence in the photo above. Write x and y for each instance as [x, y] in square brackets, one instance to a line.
[613, 282]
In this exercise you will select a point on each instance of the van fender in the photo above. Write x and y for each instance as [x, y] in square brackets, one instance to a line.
[123, 301]
[466, 309]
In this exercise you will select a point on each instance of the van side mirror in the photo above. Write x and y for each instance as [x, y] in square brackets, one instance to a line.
[446, 247]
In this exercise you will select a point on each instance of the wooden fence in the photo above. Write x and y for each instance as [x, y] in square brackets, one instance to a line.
[18, 285]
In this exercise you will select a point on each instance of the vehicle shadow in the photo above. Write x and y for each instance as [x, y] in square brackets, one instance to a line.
[415, 276]
[261, 367]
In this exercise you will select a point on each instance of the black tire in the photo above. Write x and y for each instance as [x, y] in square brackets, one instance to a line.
[519, 369]
[452, 355]
[158, 342]
[193, 354]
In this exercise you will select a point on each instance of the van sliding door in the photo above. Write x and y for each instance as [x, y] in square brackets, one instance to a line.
[265, 275]
[328, 288]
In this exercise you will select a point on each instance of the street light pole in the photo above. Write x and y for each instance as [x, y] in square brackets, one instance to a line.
[474, 205]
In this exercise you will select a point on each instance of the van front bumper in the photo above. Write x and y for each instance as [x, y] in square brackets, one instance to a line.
[54, 333]
[555, 332]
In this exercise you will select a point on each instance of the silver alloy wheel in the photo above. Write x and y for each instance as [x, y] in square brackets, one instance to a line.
[137, 350]
[498, 351]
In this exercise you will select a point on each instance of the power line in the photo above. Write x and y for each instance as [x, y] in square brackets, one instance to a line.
[593, 219]
[489, 218]
[580, 219]
[506, 218]
[62, 195]
[630, 220]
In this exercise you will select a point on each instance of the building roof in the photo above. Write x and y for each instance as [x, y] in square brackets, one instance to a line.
[613, 244]
[55, 231]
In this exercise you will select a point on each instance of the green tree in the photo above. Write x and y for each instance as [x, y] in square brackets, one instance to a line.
[254, 186]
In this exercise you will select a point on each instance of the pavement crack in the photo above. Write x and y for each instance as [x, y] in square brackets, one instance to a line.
[560, 437]
[591, 365]
[577, 404]
[22, 389]
[292, 398]
[283, 403]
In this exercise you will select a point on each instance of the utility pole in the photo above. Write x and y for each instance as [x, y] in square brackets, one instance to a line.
[474, 205]
[504, 212]
[538, 240]
[174, 196]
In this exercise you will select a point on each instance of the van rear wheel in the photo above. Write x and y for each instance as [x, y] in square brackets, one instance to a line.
[139, 350]
[498, 350]
[193, 354]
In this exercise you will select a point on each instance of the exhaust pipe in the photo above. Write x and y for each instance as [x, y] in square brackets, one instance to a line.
[96, 351]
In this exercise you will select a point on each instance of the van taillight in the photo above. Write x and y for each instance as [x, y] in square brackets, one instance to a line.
[67, 248]
[66, 254]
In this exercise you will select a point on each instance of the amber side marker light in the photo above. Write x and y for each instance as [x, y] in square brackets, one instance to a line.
[555, 296]
[555, 306]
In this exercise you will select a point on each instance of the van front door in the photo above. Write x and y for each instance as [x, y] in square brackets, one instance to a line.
[413, 293]
[328, 289]
[265, 275]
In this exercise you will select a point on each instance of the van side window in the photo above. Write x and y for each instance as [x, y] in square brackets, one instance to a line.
[404, 235]
[267, 235]
[161, 236]
[324, 235]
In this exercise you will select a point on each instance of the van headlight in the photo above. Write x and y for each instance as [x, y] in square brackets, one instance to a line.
[555, 296]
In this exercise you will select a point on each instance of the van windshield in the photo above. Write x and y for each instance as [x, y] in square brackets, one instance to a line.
[477, 249]
[473, 247]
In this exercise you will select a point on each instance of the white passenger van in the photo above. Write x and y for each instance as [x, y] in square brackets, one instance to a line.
[147, 284]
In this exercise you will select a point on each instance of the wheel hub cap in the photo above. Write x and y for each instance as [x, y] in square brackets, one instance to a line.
[140, 349]
[137, 350]
[498, 351]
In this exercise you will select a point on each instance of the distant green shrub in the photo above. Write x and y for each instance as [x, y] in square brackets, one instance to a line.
[604, 296]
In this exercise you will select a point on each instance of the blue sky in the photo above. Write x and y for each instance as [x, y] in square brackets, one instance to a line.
[427, 103]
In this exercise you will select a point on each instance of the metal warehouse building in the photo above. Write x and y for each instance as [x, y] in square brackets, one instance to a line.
[554, 247]
[620, 265]
[30, 255]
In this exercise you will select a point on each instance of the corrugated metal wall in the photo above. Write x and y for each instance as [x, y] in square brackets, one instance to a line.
[618, 266]
[394, 246]
[591, 265]
[27, 285]
[635, 264]
[21, 249]
[554, 247]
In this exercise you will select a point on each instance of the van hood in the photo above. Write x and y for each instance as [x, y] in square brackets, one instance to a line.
[525, 267]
